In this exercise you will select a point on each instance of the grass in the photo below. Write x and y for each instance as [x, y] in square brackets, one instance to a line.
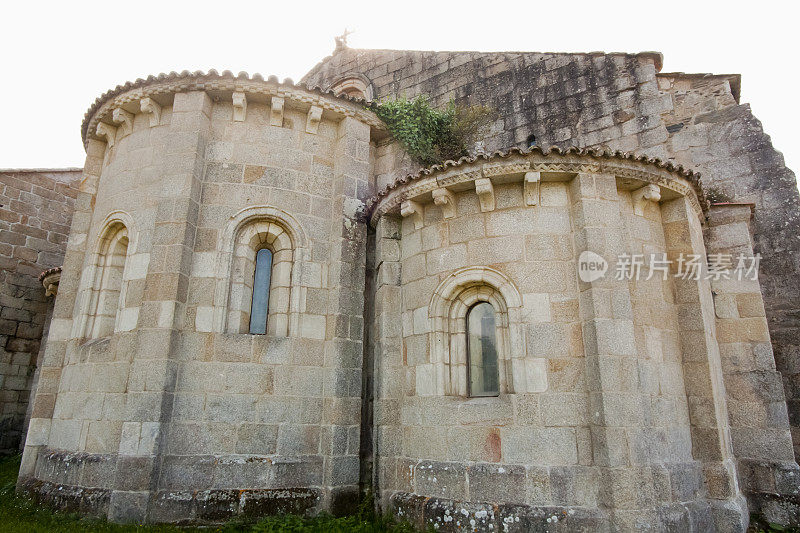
[19, 514]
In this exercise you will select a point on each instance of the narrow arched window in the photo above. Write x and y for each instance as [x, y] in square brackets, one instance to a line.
[261, 280]
[482, 371]
[106, 290]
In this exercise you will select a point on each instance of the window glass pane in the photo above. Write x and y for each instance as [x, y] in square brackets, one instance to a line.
[258, 310]
[482, 351]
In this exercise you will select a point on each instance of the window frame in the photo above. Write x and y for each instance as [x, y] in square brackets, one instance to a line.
[468, 342]
[266, 303]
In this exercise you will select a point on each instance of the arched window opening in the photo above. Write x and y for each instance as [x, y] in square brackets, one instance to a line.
[354, 87]
[107, 287]
[482, 367]
[261, 280]
[531, 140]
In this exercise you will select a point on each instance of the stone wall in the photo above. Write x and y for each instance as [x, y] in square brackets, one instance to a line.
[174, 412]
[621, 101]
[612, 410]
[35, 213]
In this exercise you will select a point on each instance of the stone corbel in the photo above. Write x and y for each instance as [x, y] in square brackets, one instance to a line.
[239, 106]
[485, 191]
[532, 181]
[648, 193]
[446, 200]
[410, 208]
[314, 116]
[276, 115]
[108, 131]
[120, 116]
[50, 279]
[149, 106]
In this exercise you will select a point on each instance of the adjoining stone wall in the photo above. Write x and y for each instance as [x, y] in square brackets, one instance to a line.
[35, 213]
[760, 430]
[710, 132]
[621, 101]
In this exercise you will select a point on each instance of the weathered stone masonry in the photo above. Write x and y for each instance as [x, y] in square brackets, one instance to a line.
[624, 102]
[616, 404]
[35, 213]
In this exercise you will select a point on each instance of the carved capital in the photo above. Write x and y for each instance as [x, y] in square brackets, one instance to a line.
[446, 200]
[532, 181]
[149, 106]
[314, 116]
[276, 115]
[410, 208]
[648, 193]
[239, 106]
[120, 116]
[108, 131]
[485, 191]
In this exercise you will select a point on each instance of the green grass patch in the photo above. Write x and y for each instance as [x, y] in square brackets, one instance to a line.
[19, 514]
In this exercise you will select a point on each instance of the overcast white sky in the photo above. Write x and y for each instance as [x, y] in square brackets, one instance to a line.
[58, 57]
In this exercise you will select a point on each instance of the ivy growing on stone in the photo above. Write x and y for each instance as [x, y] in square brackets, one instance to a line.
[431, 136]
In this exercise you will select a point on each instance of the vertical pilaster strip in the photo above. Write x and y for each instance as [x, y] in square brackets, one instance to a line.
[163, 309]
[702, 370]
[388, 360]
[626, 486]
[340, 439]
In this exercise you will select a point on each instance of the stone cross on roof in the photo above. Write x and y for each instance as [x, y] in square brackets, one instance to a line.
[341, 40]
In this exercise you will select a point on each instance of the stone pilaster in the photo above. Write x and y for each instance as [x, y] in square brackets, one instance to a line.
[759, 422]
[143, 452]
[340, 438]
[388, 360]
[703, 380]
[616, 406]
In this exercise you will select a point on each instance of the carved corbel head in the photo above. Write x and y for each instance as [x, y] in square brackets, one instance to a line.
[446, 200]
[276, 114]
[648, 193]
[410, 208]
[314, 117]
[239, 106]
[532, 181]
[485, 192]
[148, 105]
[120, 116]
[108, 131]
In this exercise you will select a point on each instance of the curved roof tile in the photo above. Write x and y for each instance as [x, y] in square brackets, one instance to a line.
[689, 174]
[197, 74]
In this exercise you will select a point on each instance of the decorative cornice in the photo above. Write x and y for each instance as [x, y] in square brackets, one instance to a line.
[175, 82]
[528, 166]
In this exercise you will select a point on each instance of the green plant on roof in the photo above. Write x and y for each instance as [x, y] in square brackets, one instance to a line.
[431, 136]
